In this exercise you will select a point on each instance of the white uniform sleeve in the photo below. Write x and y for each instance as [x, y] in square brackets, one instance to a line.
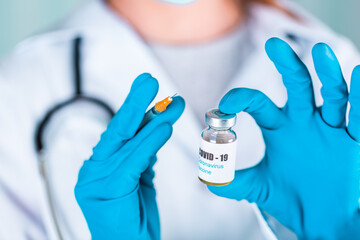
[22, 206]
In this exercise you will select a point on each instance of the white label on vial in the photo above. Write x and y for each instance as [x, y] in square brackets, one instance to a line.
[217, 161]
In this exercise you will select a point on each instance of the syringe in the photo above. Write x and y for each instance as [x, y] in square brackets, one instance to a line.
[156, 110]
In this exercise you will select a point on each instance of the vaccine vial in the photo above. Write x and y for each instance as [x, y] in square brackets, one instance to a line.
[217, 152]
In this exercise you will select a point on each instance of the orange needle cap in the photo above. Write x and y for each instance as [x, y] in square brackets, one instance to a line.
[161, 106]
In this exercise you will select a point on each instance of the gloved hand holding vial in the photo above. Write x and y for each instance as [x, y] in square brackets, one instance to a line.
[309, 176]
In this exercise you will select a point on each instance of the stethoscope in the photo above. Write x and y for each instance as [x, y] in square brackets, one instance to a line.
[52, 112]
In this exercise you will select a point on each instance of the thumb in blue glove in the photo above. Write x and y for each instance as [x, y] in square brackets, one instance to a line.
[309, 177]
[115, 189]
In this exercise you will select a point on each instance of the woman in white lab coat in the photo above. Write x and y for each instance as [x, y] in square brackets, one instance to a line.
[40, 74]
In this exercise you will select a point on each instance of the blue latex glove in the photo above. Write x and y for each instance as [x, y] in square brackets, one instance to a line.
[115, 189]
[309, 177]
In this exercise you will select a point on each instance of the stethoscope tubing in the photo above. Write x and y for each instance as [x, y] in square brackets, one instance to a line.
[51, 113]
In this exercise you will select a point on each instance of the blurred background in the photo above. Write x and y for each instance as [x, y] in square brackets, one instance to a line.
[19, 18]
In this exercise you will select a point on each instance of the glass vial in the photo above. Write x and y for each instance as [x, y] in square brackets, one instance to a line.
[217, 152]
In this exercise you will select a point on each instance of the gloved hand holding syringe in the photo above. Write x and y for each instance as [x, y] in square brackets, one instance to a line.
[115, 187]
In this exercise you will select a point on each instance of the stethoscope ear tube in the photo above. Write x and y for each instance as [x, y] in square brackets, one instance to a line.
[78, 95]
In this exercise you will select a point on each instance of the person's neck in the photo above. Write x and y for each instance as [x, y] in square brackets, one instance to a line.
[200, 21]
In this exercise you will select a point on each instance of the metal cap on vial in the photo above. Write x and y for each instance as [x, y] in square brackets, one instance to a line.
[217, 119]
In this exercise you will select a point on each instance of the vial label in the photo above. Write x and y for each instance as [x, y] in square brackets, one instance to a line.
[217, 161]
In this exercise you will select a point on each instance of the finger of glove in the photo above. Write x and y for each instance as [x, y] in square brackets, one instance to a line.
[126, 121]
[119, 218]
[334, 89]
[296, 78]
[146, 179]
[148, 194]
[110, 180]
[143, 157]
[354, 99]
[123, 163]
[143, 148]
[246, 185]
[257, 104]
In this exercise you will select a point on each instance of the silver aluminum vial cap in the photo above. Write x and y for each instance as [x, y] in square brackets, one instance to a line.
[215, 118]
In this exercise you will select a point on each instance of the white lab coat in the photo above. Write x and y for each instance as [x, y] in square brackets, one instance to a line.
[38, 74]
